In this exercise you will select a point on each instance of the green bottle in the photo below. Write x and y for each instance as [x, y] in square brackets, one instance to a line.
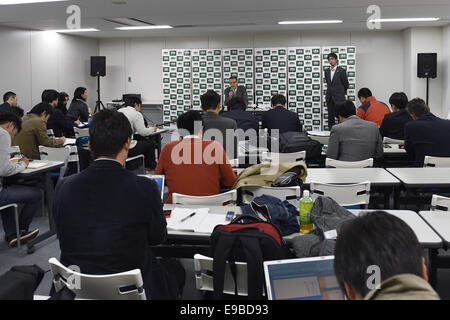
[306, 204]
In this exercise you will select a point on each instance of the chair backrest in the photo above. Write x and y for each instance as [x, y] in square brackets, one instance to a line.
[291, 194]
[283, 157]
[120, 286]
[81, 132]
[204, 280]
[14, 150]
[439, 203]
[388, 140]
[221, 199]
[50, 133]
[436, 162]
[69, 153]
[331, 163]
[344, 195]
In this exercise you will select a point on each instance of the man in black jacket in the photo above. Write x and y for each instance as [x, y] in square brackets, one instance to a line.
[107, 217]
[393, 125]
[244, 120]
[427, 135]
[9, 101]
[280, 118]
[60, 125]
[337, 86]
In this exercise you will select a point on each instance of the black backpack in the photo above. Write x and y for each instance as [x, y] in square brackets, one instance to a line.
[246, 239]
[299, 141]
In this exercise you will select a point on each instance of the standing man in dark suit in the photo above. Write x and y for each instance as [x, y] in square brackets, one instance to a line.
[337, 86]
[107, 217]
[235, 90]
[427, 135]
[281, 118]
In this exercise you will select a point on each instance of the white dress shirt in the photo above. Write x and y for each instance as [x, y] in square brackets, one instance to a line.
[137, 121]
[7, 168]
[332, 72]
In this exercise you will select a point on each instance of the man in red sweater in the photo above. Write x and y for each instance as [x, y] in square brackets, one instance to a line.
[371, 109]
[193, 166]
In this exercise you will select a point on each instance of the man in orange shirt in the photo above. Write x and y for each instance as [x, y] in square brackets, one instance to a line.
[193, 166]
[371, 109]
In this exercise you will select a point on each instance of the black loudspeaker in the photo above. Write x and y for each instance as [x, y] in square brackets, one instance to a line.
[98, 66]
[427, 65]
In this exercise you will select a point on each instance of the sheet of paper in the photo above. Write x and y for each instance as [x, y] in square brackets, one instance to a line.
[190, 224]
[70, 141]
[210, 222]
[36, 165]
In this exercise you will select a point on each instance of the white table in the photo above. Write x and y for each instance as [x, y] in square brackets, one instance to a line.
[321, 136]
[440, 222]
[377, 176]
[393, 149]
[422, 177]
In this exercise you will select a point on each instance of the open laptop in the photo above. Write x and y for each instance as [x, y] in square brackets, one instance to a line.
[159, 179]
[302, 279]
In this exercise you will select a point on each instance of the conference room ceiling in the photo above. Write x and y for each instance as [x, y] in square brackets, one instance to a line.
[213, 17]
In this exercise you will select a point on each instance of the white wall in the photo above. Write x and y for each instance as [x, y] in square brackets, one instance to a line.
[140, 58]
[32, 61]
[446, 72]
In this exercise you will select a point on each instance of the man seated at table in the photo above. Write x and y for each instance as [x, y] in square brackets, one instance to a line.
[393, 125]
[378, 257]
[34, 132]
[244, 119]
[30, 197]
[61, 126]
[106, 216]
[427, 135]
[145, 145]
[194, 166]
[354, 139]
[9, 102]
[280, 118]
[371, 109]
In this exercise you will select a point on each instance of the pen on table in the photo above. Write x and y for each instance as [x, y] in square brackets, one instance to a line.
[189, 216]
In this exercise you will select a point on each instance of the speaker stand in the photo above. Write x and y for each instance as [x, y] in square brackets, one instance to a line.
[99, 104]
[428, 89]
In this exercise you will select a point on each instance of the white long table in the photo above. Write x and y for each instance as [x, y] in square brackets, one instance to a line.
[440, 222]
[422, 177]
[377, 176]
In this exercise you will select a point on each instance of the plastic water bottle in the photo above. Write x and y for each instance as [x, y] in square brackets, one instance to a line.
[306, 204]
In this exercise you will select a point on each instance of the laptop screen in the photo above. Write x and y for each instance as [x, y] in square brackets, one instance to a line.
[159, 181]
[302, 279]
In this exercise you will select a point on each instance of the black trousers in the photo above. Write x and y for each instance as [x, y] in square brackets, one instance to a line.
[146, 148]
[331, 107]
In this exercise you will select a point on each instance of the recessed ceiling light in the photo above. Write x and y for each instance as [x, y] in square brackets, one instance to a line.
[144, 27]
[10, 2]
[311, 22]
[73, 30]
[405, 20]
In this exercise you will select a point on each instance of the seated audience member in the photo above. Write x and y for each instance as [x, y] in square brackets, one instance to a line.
[58, 123]
[132, 110]
[34, 132]
[194, 166]
[427, 135]
[244, 120]
[9, 102]
[219, 127]
[379, 246]
[280, 117]
[393, 125]
[63, 100]
[114, 230]
[354, 139]
[30, 197]
[78, 109]
[371, 109]
[18, 111]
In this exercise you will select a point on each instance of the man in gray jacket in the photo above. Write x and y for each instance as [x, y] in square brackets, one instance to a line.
[354, 139]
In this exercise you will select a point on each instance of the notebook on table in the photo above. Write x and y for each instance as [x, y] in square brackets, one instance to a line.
[302, 279]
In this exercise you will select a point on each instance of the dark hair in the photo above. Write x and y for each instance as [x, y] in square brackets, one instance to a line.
[346, 109]
[78, 93]
[42, 107]
[332, 55]
[132, 100]
[108, 133]
[417, 107]
[62, 96]
[8, 95]
[187, 121]
[210, 100]
[278, 99]
[18, 111]
[399, 99]
[233, 77]
[8, 117]
[48, 96]
[365, 93]
[236, 103]
[375, 239]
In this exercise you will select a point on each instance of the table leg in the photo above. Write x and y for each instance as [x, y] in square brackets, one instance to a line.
[432, 253]
[49, 195]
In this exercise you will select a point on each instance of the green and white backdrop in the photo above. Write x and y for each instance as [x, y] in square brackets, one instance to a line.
[296, 72]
